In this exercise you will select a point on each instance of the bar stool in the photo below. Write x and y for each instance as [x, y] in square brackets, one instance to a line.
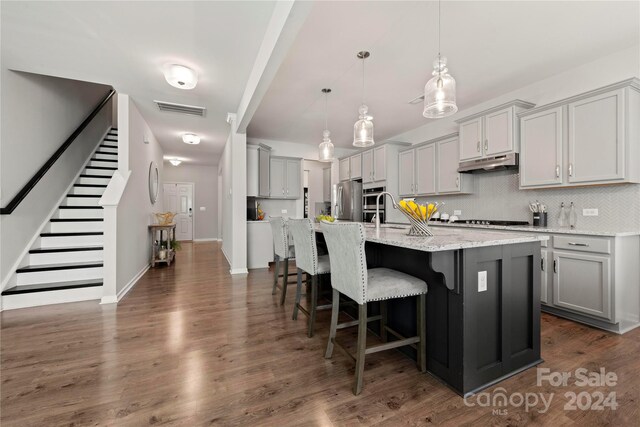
[283, 251]
[350, 277]
[308, 261]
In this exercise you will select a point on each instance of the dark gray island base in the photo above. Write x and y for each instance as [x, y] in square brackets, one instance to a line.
[474, 338]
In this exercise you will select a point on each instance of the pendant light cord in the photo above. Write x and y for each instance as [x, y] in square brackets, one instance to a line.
[363, 58]
[439, 37]
[326, 114]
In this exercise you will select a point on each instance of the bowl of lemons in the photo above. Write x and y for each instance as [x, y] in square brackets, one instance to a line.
[327, 218]
[418, 215]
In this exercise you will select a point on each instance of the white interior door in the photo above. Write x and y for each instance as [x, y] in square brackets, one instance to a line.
[178, 197]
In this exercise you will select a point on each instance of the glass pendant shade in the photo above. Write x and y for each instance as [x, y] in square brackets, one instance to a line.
[325, 148]
[363, 129]
[440, 92]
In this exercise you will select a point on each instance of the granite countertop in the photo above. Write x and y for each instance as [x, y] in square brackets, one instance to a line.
[443, 240]
[530, 228]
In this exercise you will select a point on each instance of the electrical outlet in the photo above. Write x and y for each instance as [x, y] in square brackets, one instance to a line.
[457, 213]
[482, 281]
[203, 208]
[590, 212]
[283, 211]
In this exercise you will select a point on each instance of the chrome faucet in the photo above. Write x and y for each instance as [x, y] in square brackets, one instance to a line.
[378, 207]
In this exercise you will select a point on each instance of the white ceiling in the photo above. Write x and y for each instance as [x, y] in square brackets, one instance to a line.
[125, 44]
[492, 47]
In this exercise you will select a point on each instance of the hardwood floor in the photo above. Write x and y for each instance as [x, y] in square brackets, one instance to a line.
[191, 345]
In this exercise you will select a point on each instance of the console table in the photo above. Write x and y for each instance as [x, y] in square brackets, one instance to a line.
[162, 233]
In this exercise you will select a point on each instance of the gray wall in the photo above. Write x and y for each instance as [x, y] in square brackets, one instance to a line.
[38, 114]
[205, 179]
[496, 196]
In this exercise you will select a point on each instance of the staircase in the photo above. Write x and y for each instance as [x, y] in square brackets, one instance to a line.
[65, 263]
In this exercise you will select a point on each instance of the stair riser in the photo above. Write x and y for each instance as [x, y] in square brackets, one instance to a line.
[99, 181]
[102, 172]
[82, 201]
[65, 257]
[81, 213]
[51, 276]
[103, 164]
[73, 227]
[12, 302]
[110, 156]
[71, 241]
[96, 191]
[109, 149]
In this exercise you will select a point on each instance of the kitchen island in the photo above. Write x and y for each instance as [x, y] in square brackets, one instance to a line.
[483, 303]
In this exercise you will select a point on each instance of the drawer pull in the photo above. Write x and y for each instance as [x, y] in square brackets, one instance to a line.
[542, 264]
[578, 244]
[555, 265]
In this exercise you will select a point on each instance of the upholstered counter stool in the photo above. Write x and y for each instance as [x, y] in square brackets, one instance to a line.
[308, 261]
[350, 277]
[283, 252]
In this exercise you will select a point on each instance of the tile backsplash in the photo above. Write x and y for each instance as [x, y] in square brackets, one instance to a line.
[497, 196]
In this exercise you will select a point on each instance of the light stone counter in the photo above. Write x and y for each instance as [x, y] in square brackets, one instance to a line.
[530, 228]
[444, 239]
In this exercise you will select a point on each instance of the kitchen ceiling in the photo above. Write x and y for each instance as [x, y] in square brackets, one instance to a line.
[125, 44]
[492, 47]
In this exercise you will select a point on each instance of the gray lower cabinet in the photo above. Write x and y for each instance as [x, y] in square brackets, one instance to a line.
[544, 276]
[582, 283]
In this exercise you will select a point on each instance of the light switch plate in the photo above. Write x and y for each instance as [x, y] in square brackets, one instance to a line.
[590, 212]
[482, 281]
[203, 208]
[283, 211]
[457, 212]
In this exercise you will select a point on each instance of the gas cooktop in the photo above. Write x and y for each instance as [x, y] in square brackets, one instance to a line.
[494, 222]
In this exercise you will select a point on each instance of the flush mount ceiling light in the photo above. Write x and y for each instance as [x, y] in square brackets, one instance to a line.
[326, 146]
[180, 76]
[440, 91]
[175, 162]
[191, 138]
[363, 128]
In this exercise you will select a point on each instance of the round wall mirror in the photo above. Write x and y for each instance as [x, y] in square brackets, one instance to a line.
[154, 184]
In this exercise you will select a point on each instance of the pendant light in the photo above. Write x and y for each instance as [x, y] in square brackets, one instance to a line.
[325, 147]
[440, 91]
[363, 128]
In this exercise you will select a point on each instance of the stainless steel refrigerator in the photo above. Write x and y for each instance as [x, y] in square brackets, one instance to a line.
[346, 201]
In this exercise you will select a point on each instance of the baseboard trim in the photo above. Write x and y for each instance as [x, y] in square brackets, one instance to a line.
[208, 239]
[235, 271]
[133, 282]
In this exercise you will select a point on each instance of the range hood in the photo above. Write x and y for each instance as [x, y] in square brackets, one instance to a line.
[489, 164]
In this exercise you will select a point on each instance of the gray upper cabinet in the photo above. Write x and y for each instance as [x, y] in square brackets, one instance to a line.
[471, 139]
[380, 163]
[586, 139]
[596, 138]
[367, 166]
[326, 184]
[355, 166]
[406, 173]
[491, 132]
[343, 169]
[425, 170]
[285, 178]
[541, 148]
[449, 179]
[263, 172]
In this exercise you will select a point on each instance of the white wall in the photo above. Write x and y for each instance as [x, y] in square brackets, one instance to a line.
[205, 179]
[38, 114]
[135, 210]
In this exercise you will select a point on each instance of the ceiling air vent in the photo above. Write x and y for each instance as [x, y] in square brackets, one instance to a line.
[180, 108]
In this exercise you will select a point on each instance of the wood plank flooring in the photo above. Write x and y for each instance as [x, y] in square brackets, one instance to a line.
[193, 346]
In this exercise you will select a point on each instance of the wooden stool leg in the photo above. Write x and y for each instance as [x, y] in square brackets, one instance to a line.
[383, 321]
[335, 310]
[285, 280]
[362, 346]
[422, 332]
[298, 295]
[275, 275]
[314, 305]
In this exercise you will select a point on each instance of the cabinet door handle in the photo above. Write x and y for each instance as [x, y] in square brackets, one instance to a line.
[578, 244]
[542, 264]
[555, 265]
[570, 169]
[486, 145]
[478, 146]
[415, 188]
[457, 182]
[557, 171]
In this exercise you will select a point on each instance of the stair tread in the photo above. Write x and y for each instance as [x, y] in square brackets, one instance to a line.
[80, 207]
[84, 195]
[104, 160]
[69, 249]
[76, 220]
[43, 287]
[91, 185]
[62, 266]
[106, 152]
[101, 167]
[72, 233]
[84, 175]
